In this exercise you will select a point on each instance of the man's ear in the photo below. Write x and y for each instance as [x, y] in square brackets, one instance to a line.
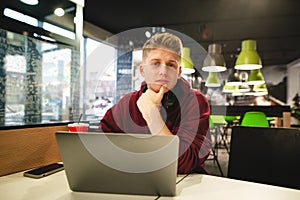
[142, 70]
[180, 72]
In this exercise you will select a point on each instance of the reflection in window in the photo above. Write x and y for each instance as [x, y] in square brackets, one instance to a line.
[35, 80]
[56, 69]
[15, 85]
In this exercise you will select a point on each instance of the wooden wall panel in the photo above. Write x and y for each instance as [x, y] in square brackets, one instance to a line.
[22, 149]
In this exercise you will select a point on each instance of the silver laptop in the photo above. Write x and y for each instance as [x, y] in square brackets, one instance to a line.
[120, 163]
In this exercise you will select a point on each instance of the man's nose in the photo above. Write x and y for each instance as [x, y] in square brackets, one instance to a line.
[163, 69]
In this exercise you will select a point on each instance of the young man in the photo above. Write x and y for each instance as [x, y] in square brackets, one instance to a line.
[165, 104]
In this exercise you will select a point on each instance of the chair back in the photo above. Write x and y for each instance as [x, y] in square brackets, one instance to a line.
[265, 155]
[217, 120]
[255, 118]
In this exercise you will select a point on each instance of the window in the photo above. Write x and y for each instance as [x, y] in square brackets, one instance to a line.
[100, 79]
[35, 80]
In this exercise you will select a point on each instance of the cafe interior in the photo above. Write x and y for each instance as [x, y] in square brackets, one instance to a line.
[69, 61]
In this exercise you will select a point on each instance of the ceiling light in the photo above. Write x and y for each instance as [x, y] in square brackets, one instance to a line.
[214, 61]
[212, 80]
[186, 62]
[228, 88]
[59, 12]
[260, 88]
[30, 2]
[147, 34]
[248, 58]
[255, 77]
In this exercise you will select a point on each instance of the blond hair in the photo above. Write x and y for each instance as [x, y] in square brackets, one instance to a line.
[163, 40]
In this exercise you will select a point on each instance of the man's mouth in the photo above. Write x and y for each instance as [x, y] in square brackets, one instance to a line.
[162, 82]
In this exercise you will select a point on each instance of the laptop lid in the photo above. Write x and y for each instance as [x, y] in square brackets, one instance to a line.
[120, 163]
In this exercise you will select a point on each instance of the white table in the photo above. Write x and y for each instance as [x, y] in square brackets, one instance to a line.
[204, 187]
[196, 186]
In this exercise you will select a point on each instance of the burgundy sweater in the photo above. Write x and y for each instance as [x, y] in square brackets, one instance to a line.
[186, 113]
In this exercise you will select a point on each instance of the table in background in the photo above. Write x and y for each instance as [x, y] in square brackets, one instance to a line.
[279, 112]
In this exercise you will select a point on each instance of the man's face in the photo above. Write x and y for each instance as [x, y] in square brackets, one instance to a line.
[161, 68]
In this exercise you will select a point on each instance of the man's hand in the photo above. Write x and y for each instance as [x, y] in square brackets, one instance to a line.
[149, 104]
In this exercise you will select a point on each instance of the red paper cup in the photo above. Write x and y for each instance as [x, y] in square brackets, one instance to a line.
[78, 127]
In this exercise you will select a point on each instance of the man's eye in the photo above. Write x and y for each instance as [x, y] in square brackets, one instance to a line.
[171, 65]
[157, 64]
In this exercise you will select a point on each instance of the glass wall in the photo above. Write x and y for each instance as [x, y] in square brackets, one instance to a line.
[39, 80]
[56, 70]
[35, 80]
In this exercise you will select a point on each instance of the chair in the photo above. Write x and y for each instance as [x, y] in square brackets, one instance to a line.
[220, 131]
[231, 120]
[272, 156]
[215, 124]
[255, 118]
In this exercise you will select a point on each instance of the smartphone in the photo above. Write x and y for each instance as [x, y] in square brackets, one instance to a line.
[44, 171]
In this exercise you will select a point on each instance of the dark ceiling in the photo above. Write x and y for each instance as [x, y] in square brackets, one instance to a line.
[274, 24]
[40, 11]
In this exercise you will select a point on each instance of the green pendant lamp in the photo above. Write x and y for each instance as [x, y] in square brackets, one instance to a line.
[214, 61]
[255, 77]
[228, 88]
[212, 80]
[186, 61]
[260, 89]
[236, 92]
[248, 58]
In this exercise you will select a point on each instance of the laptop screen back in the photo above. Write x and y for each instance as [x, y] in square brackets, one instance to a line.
[120, 163]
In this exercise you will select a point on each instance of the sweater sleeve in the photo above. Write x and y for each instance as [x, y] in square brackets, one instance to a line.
[195, 142]
[124, 117]
[108, 124]
[111, 121]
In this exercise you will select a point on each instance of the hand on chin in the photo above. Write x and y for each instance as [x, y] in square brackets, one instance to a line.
[156, 88]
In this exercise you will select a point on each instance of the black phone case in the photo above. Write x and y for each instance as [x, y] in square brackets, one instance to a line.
[44, 171]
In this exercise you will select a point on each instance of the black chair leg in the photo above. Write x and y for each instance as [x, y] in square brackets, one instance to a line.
[223, 139]
[215, 155]
[214, 150]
